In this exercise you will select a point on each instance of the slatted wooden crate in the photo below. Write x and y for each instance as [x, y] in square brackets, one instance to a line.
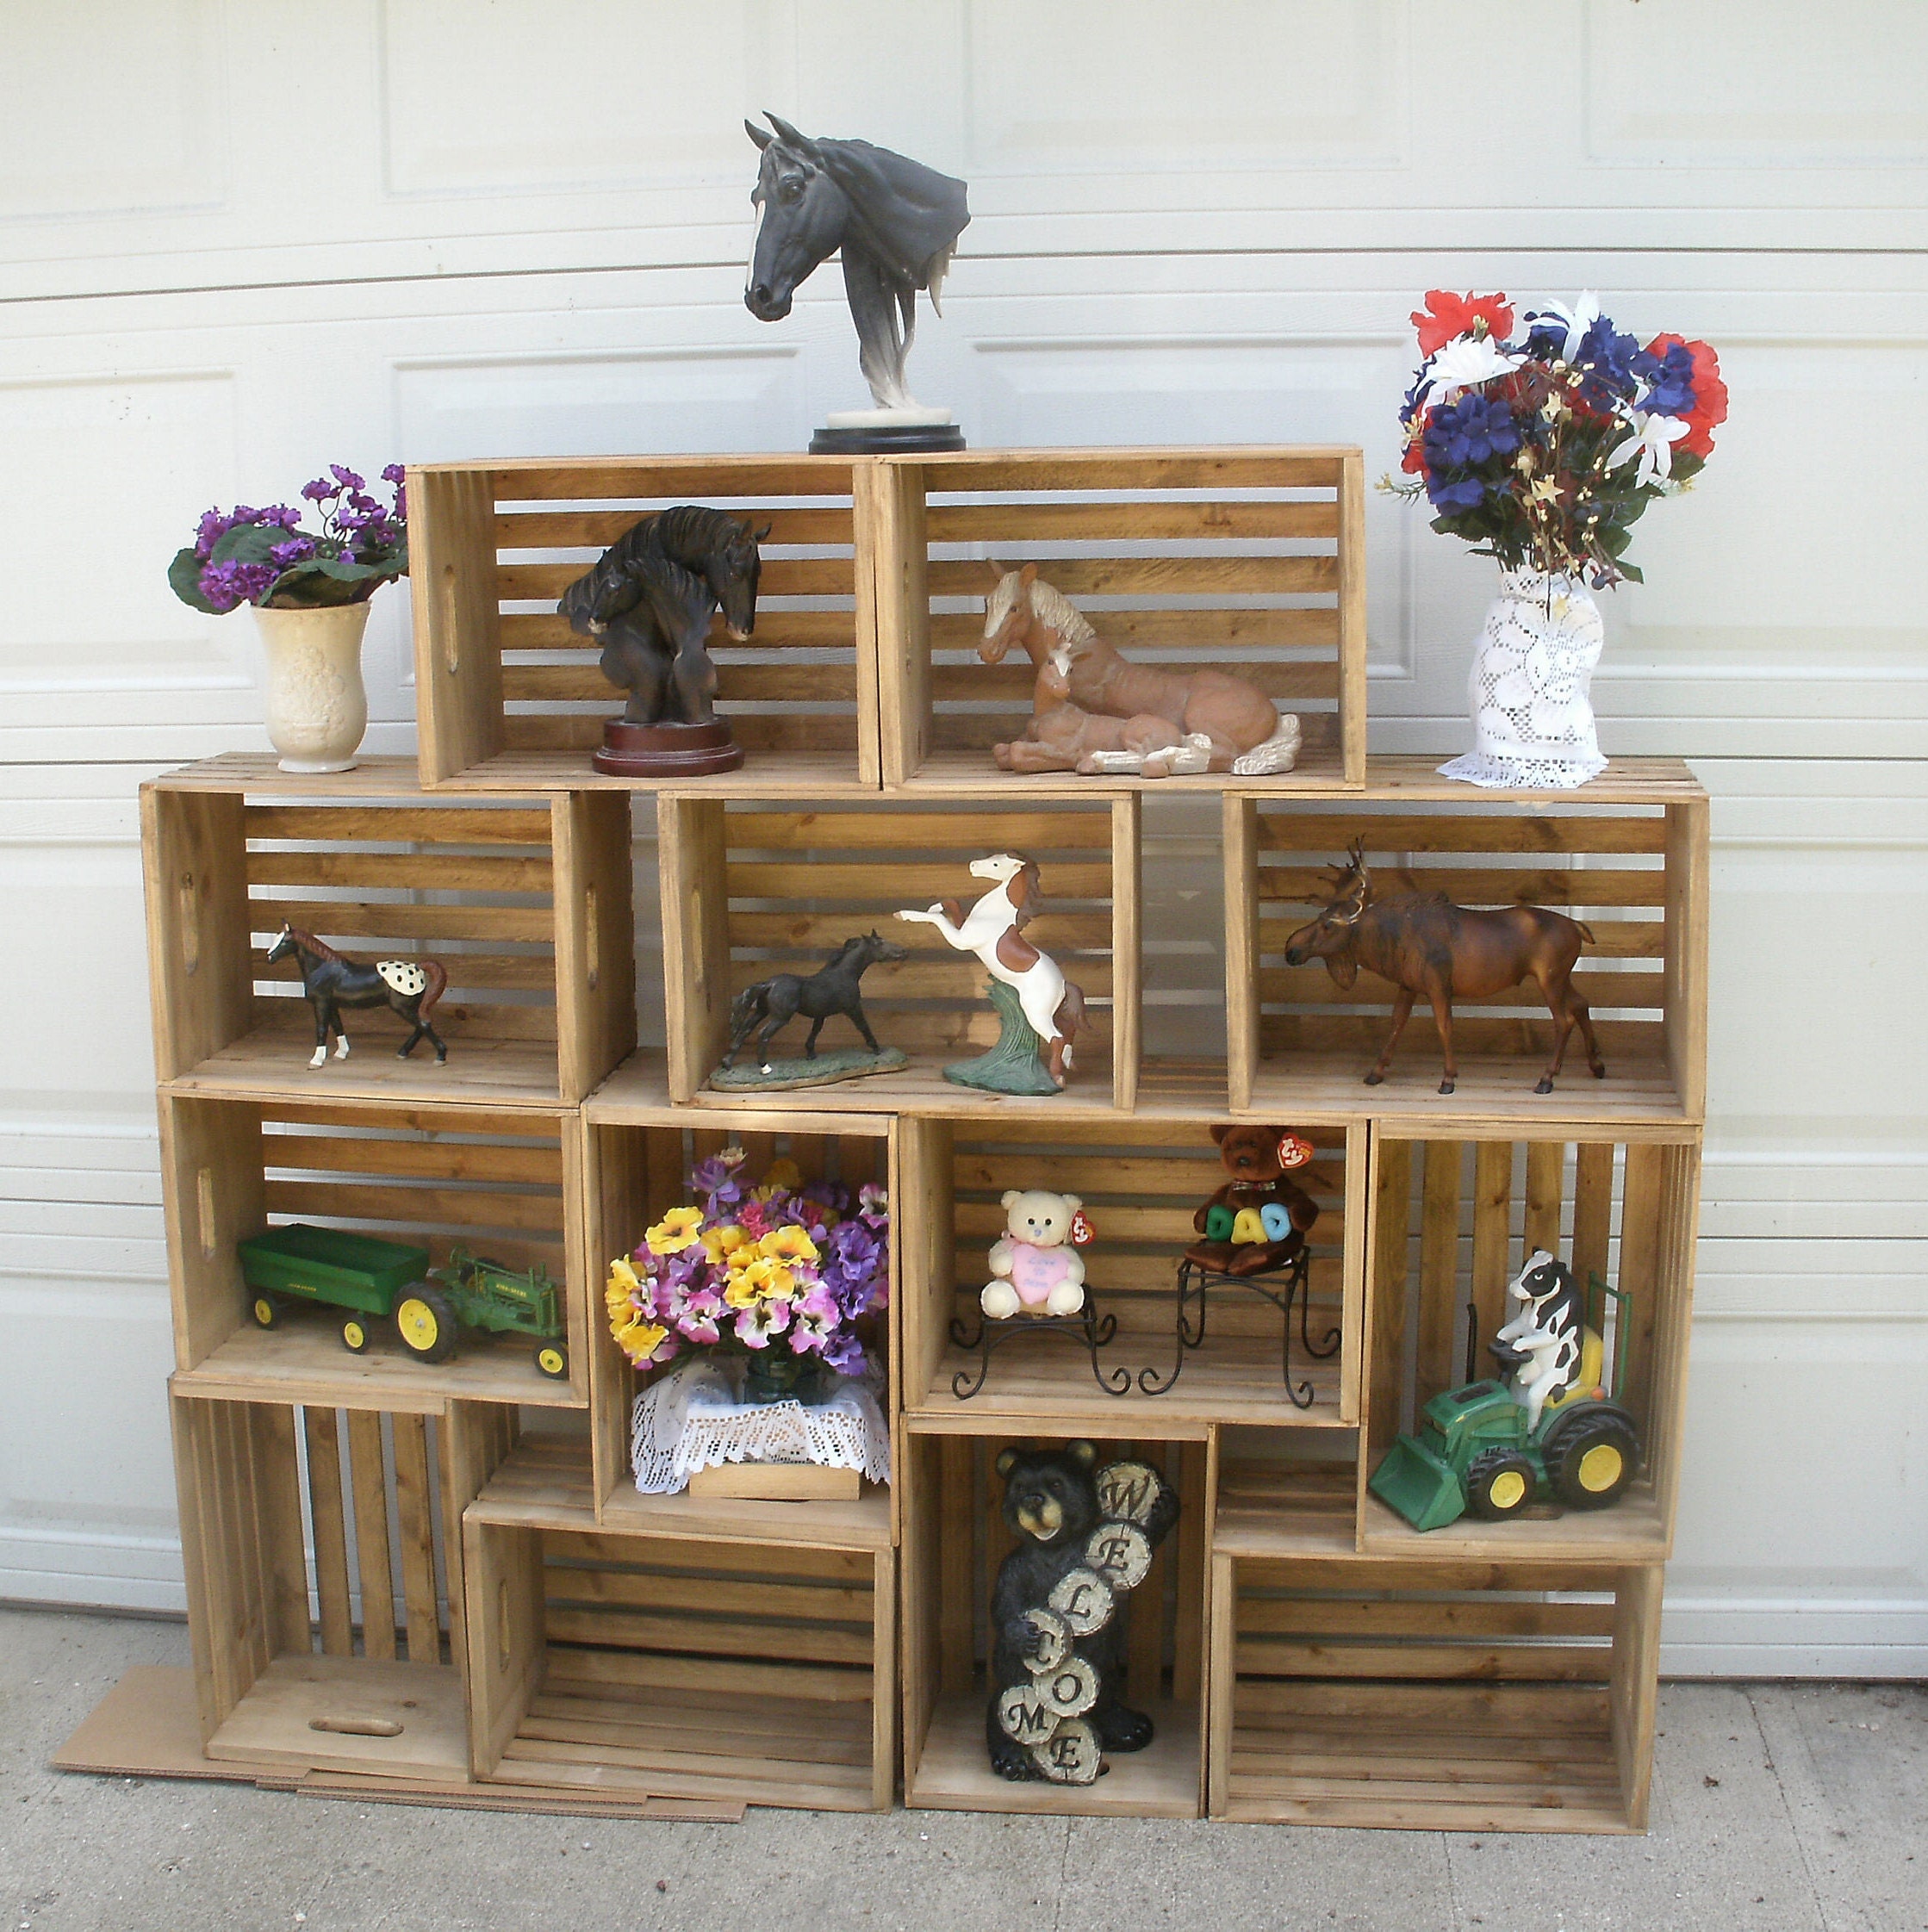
[686, 1668]
[1142, 1180]
[1452, 1222]
[1435, 1696]
[511, 699]
[1629, 859]
[1250, 561]
[639, 1150]
[954, 1539]
[502, 1185]
[302, 1530]
[525, 903]
[751, 890]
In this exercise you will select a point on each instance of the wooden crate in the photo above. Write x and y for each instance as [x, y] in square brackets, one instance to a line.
[302, 1530]
[501, 1184]
[526, 903]
[1451, 1223]
[954, 1539]
[638, 1150]
[685, 1667]
[1628, 857]
[1247, 560]
[511, 699]
[1140, 1180]
[750, 890]
[1441, 1696]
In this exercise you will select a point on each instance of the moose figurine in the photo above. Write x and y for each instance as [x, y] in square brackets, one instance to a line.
[1424, 944]
[331, 980]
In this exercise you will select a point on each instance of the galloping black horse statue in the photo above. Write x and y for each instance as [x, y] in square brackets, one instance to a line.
[895, 220]
[330, 981]
[833, 988]
[649, 601]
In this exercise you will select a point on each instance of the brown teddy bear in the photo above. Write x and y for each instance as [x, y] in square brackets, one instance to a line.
[1259, 1219]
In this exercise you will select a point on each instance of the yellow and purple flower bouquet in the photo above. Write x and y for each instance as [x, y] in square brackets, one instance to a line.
[781, 1267]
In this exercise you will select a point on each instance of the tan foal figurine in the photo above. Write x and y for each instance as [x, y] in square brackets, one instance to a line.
[1094, 711]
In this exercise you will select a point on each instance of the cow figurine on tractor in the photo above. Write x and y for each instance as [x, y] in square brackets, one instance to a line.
[370, 1280]
[1551, 1432]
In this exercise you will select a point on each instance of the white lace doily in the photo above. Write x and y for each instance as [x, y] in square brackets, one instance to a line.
[691, 1419]
[1532, 721]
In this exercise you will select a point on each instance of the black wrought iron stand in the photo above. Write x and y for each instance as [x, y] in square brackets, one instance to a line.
[1280, 1286]
[1087, 1328]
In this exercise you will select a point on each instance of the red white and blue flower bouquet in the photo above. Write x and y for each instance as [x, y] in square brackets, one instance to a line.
[765, 1297]
[1542, 447]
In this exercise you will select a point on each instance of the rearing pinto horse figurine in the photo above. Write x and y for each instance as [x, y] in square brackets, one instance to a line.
[1092, 711]
[1424, 944]
[1054, 1007]
[330, 981]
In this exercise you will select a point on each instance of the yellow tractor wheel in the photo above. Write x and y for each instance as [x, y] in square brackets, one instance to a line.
[354, 1335]
[1499, 1484]
[265, 1313]
[552, 1358]
[425, 1323]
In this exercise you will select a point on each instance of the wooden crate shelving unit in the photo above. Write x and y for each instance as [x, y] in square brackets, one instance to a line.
[637, 1149]
[678, 1665]
[1140, 1180]
[1627, 856]
[525, 901]
[503, 1184]
[1309, 1657]
[1437, 1696]
[285, 1504]
[1250, 560]
[511, 699]
[750, 889]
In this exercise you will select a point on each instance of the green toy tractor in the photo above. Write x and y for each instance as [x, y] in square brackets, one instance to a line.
[370, 1281]
[1474, 1452]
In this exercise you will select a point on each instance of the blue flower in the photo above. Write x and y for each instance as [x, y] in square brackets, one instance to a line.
[1466, 494]
[297, 549]
[1463, 434]
[346, 478]
[1671, 380]
[394, 473]
[320, 490]
[1605, 359]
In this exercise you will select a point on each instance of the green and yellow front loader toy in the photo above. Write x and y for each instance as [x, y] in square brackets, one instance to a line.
[1474, 1452]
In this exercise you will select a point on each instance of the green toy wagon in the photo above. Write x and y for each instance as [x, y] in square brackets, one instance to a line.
[376, 1281]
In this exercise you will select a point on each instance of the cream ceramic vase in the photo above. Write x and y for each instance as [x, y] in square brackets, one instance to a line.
[317, 707]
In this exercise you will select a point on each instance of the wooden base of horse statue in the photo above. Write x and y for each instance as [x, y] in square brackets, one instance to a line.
[1094, 711]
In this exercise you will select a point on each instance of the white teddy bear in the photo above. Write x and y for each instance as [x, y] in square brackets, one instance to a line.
[1038, 1268]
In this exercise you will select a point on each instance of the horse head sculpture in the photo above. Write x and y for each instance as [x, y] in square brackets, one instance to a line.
[895, 219]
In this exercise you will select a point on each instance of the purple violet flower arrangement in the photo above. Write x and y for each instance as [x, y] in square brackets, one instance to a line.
[247, 556]
[779, 1266]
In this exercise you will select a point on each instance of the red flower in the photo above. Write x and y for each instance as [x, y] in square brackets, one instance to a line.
[1413, 462]
[1452, 316]
[1710, 394]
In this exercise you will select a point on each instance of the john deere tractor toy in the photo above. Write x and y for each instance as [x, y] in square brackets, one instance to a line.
[1554, 1433]
[380, 1281]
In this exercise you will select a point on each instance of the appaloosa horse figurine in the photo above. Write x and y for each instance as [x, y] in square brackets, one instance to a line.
[894, 220]
[835, 987]
[1424, 944]
[330, 981]
[1095, 712]
[1053, 1006]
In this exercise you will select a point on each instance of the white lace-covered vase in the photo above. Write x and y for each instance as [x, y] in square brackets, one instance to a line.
[1533, 721]
[317, 705]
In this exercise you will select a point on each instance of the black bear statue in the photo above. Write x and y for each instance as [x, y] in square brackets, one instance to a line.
[1085, 1537]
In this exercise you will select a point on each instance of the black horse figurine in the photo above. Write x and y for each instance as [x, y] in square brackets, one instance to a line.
[895, 219]
[649, 601]
[833, 988]
[330, 981]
